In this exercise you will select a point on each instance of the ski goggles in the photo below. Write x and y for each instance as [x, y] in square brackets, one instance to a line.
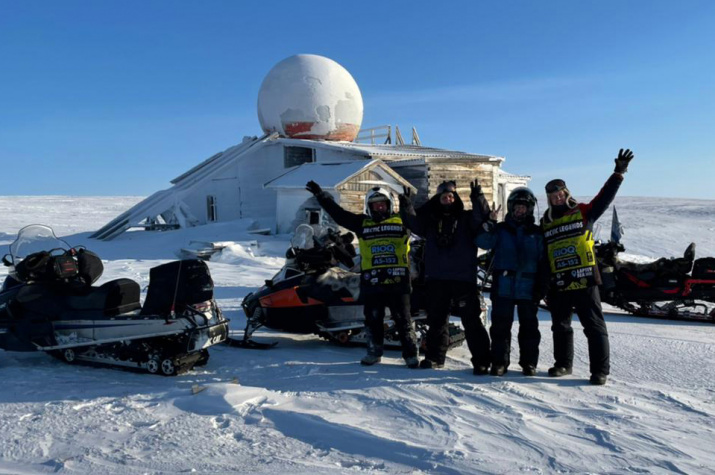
[555, 185]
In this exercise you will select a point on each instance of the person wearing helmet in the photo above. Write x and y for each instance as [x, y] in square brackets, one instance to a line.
[384, 263]
[519, 279]
[568, 232]
[450, 260]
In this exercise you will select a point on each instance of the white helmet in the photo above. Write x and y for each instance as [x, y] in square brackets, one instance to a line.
[378, 194]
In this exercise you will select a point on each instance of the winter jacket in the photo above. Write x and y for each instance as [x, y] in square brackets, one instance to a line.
[450, 252]
[519, 266]
[557, 235]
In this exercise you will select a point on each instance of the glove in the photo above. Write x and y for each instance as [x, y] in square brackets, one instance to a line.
[540, 292]
[406, 196]
[624, 158]
[475, 190]
[313, 187]
[494, 213]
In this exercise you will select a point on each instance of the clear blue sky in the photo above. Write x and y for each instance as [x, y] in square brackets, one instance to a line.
[119, 97]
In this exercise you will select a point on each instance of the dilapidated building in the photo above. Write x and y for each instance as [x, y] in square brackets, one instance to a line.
[310, 110]
[264, 178]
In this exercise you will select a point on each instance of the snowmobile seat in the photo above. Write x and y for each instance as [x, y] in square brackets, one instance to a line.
[663, 268]
[112, 298]
[122, 296]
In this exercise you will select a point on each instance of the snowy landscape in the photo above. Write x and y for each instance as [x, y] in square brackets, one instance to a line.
[307, 406]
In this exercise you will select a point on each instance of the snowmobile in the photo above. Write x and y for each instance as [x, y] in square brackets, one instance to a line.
[48, 303]
[318, 291]
[678, 288]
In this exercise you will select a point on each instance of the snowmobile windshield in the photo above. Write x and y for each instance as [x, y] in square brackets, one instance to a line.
[35, 238]
[303, 237]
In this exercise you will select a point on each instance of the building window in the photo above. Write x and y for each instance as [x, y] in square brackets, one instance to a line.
[313, 215]
[294, 156]
[211, 209]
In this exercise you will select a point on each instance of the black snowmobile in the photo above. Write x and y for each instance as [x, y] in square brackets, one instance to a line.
[48, 303]
[679, 288]
[318, 291]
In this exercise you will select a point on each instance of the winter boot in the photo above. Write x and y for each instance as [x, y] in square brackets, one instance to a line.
[598, 379]
[429, 364]
[480, 370]
[412, 362]
[370, 360]
[558, 371]
[528, 370]
[498, 370]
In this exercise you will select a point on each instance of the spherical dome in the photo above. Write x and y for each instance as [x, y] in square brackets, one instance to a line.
[310, 97]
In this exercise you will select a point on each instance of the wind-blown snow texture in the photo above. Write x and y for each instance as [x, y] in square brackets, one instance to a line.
[308, 406]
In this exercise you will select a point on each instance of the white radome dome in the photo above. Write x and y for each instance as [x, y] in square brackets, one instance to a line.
[307, 96]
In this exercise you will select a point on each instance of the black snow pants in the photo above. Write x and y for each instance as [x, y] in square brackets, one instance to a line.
[374, 310]
[587, 303]
[441, 294]
[500, 331]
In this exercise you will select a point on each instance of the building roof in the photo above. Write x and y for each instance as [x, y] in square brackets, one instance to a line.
[330, 175]
[392, 151]
[511, 176]
[416, 153]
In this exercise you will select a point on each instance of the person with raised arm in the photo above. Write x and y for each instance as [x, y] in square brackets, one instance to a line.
[450, 269]
[384, 264]
[568, 232]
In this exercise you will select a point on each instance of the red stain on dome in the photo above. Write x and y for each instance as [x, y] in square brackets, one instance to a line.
[302, 130]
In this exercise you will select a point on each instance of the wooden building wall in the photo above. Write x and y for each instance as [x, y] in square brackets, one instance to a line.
[353, 201]
[352, 193]
[427, 176]
[463, 172]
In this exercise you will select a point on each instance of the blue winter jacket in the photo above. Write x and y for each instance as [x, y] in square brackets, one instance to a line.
[519, 265]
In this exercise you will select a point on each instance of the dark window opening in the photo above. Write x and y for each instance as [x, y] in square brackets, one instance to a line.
[313, 216]
[211, 209]
[294, 156]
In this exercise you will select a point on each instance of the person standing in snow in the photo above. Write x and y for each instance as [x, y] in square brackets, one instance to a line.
[568, 231]
[384, 264]
[450, 260]
[519, 278]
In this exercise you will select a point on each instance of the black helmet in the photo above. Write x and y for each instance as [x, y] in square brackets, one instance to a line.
[521, 196]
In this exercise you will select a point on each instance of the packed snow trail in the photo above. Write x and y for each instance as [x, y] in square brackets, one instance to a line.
[308, 406]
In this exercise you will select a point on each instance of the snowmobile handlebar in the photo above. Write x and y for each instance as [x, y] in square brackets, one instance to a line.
[57, 263]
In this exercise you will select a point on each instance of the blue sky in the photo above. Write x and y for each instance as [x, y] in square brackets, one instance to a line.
[117, 98]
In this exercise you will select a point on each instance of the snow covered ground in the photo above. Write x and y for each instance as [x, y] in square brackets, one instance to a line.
[308, 406]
